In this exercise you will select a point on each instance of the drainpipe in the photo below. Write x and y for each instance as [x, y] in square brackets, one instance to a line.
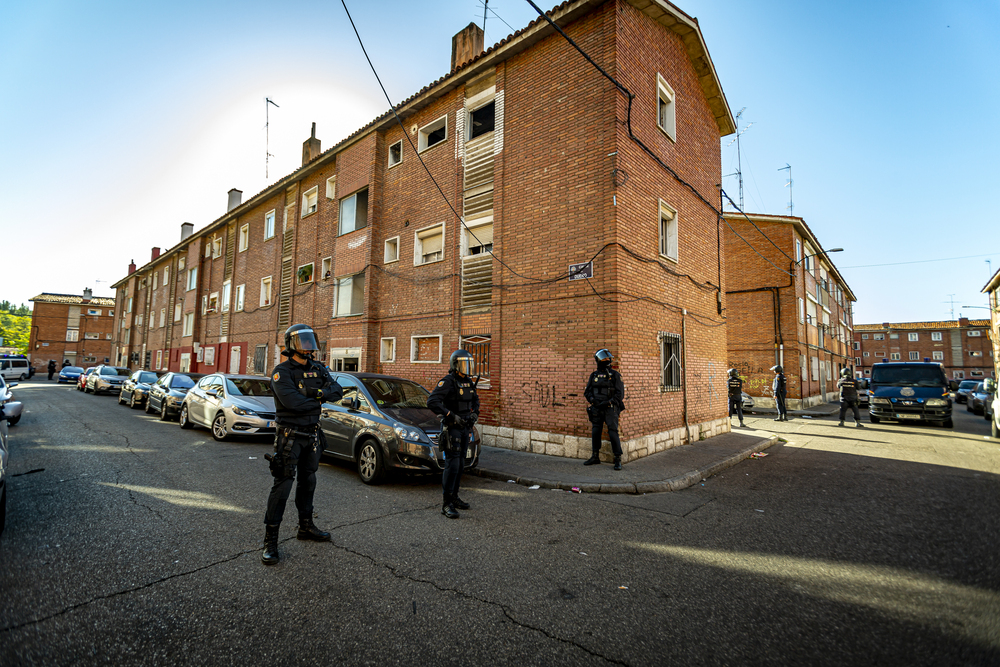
[684, 370]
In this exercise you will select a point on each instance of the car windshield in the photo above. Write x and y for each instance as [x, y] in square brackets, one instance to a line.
[72, 369]
[109, 370]
[924, 376]
[147, 377]
[248, 387]
[181, 382]
[968, 384]
[396, 393]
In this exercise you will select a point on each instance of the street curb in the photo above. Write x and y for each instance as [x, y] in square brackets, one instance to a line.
[657, 486]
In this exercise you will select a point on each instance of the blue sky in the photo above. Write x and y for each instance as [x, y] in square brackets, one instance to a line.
[122, 120]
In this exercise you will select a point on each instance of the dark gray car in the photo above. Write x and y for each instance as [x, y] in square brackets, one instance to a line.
[167, 393]
[383, 423]
[136, 388]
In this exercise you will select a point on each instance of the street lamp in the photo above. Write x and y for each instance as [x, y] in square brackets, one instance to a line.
[817, 254]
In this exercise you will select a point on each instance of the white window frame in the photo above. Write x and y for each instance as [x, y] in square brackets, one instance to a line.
[798, 251]
[864, 336]
[266, 280]
[312, 274]
[244, 237]
[857, 345]
[310, 201]
[156, 283]
[341, 227]
[93, 311]
[227, 293]
[666, 108]
[936, 335]
[188, 325]
[669, 236]
[418, 244]
[163, 317]
[399, 159]
[269, 219]
[414, 346]
[73, 335]
[241, 291]
[387, 356]
[894, 356]
[326, 268]
[476, 227]
[356, 309]
[159, 359]
[486, 98]
[181, 263]
[213, 302]
[128, 306]
[390, 251]
[937, 355]
[217, 247]
[802, 311]
[975, 334]
[433, 126]
[331, 187]
[192, 282]
[914, 356]
[177, 312]
[912, 336]
[878, 336]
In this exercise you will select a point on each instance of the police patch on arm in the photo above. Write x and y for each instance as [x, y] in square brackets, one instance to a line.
[275, 377]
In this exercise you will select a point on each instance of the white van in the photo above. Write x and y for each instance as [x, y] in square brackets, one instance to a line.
[15, 369]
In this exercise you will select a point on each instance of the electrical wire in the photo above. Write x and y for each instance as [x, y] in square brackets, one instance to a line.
[733, 204]
[919, 261]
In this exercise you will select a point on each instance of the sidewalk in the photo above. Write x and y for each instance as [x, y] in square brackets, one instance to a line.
[821, 410]
[671, 470]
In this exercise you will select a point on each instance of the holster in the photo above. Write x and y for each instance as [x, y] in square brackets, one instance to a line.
[281, 462]
[448, 442]
[595, 414]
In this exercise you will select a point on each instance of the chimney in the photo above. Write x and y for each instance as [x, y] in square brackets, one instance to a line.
[235, 199]
[88, 294]
[310, 148]
[466, 45]
[156, 253]
[187, 229]
[131, 267]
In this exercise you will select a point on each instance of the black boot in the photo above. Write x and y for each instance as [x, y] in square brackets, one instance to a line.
[618, 463]
[459, 503]
[270, 555]
[309, 531]
[593, 460]
[448, 508]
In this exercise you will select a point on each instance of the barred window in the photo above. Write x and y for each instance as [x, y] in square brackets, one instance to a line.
[260, 360]
[479, 348]
[670, 362]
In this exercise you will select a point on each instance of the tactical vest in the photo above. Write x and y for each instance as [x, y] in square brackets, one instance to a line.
[735, 388]
[465, 395]
[602, 383]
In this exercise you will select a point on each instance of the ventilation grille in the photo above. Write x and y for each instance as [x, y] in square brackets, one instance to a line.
[477, 280]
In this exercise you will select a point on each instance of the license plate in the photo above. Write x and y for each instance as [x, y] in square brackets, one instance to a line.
[270, 424]
[900, 416]
[468, 453]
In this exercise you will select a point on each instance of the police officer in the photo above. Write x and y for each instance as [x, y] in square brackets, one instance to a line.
[780, 389]
[735, 385]
[455, 400]
[52, 368]
[300, 387]
[606, 393]
[848, 387]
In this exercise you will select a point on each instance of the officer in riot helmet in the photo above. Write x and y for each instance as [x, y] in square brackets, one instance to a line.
[301, 385]
[848, 387]
[735, 386]
[606, 394]
[780, 389]
[455, 400]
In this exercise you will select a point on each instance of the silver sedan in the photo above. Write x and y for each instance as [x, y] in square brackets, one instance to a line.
[230, 405]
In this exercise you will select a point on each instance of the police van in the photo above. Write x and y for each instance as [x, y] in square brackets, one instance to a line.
[15, 368]
[910, 392]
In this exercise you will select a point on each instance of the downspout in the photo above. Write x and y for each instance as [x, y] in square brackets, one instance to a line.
[684, 370]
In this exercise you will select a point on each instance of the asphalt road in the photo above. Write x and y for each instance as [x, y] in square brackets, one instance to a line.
[130, 541]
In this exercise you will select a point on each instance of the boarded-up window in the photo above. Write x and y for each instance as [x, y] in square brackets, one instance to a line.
[425, 349]
[260, 360]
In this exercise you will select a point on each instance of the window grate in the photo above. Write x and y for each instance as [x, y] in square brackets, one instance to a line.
[670, 362]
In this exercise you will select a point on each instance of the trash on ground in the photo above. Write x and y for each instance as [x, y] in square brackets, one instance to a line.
[758, 455]
[536, 486]
[576, 489]
[582, 553]
[758, 510]
[253, 458]
[623, 588]
[806, 417]
[510, 481]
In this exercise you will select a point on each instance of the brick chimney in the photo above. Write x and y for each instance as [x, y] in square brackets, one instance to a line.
[187, 229]
[131, 267]
[466, 45]
[310, 148]
[156, 253]
[235, 198]
[88, 294]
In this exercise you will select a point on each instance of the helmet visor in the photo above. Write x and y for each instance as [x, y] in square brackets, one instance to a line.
[465, 365]
[602, 356]
[303, 341]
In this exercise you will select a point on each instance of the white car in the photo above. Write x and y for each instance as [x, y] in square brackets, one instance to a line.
[7, 396]
[230, 405]
[9, 412]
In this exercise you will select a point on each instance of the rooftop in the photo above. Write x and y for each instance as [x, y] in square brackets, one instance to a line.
[945, 324]
[45, 297]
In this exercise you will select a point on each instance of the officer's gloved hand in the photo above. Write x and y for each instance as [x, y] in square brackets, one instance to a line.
[473, 418]
[458, 421]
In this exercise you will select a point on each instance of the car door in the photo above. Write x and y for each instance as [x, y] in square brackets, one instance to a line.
[212, 404]
[335, 419]
[158, 391]
[195, 400]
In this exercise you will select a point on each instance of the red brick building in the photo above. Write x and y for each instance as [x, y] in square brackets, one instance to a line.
[531, 145]
[963, 346]
[70, 327]
[992, 291]
[788, 305]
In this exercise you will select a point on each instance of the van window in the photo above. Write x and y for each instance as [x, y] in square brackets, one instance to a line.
[930, 375]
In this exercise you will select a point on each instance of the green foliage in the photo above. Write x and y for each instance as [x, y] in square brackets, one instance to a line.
[15, 330]
[8, 307]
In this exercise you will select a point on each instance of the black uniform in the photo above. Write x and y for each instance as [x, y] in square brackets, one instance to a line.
[606, 394]
[52, 368]
[848, 387]
[299, 442]
[454, 395]
[736, 397]
[780, 389]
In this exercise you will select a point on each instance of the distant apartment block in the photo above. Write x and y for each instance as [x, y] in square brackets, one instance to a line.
[70, 327]
[963, 346]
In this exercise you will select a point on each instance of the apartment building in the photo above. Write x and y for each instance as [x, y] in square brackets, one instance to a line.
[71, 327]
[787, 305]
[992, 291]
[963, 346]
[585, 223]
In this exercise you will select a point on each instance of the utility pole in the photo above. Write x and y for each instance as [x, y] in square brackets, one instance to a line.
[267, 134]
[951, 299]
[791, 206]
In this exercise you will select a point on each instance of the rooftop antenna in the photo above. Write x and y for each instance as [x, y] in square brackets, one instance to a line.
[485, 5]
[791, 206]
[951, 299]
[267, 129]
[989, 267]
[739, 159]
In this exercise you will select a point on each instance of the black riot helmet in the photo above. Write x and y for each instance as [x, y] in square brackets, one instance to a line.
[733, 373]
[845, 373]
[777, 369]
[603, 358]
[300, 340]
[462, 362]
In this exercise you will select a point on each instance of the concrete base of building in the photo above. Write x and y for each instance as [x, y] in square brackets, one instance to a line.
[577, 447]
[796, 403]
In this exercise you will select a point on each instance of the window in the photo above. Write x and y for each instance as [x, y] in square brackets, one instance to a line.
[391, 250]
[798, 250]
[975, 353]
[327, 268]
[868, 371]
[128, 308]
[880, 354]
[428, 245]
[204, 304]
[912, 336]
[878, 336]
[125, 336]
[265, 291]
[73, 335]
[894, 356]
[91, 336]
[111, 313]
[331, 187]
[213, 302]
[857, 361]
[349, 296]
[163, 317]
[304, 275]
[482, 120]
[396, 153]
[914, 356]
[479, 348]
[959, 375]
[156, 283]
[388, 350]
[814, 361]
[935, 335]
[181, 263]
[864, 336]
[857, 345]
[192, 279]
[166, 275]
[93, 311]
[309, 201]
[227, 288]
[670, 362]
[259, 360]
[354, 212]
[894, 336]
[177, 312]
[976, 373]
[240, 292]
[479, 240]
[668, 231]
[975, 334]
[188, 324]
[802, 310]
[811, 312]
[425, 349]
[217, 247]
[269, 225]
[937, 355]
[244, 237]
[865, 354]
[159, 358]
[432, 134]
[665, 115]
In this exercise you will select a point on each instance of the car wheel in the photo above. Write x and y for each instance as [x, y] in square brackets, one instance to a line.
[219, 430]
[22, 377]
[370, 465]
[131, 401]
[120, 401]
[182, 418]
[13, 422]
[164, 415]
[968, 407]
[149, 406]
[948, 423]
[873, 419]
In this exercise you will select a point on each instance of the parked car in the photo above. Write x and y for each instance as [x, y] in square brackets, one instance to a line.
[10, 413]
[15, 368]
[229, 405]
[70, 374]
[81, 382]
[977, 399]
[382, 423]
[106, 378]
[7, 396]
[136, 388]
[168, 392]
[964, 387]
[747, 402]
[992, 410]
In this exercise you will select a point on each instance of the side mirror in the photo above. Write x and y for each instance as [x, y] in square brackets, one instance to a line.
[214, 393]
[355, 403]
[11, 385]
[989, 385]
[953, 385]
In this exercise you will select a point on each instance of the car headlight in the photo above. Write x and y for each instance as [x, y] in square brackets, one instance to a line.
[407, 432]
[881, 401]
[174, 400]
[243, 411]
[936, 403]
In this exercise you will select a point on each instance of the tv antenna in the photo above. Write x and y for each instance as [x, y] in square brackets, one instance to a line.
[951, 300]
[485, 5]
[739, 159]
[791, 206]
[267, 134]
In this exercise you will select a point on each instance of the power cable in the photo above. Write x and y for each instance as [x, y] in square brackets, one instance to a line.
[733, 204]
[919, 261]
